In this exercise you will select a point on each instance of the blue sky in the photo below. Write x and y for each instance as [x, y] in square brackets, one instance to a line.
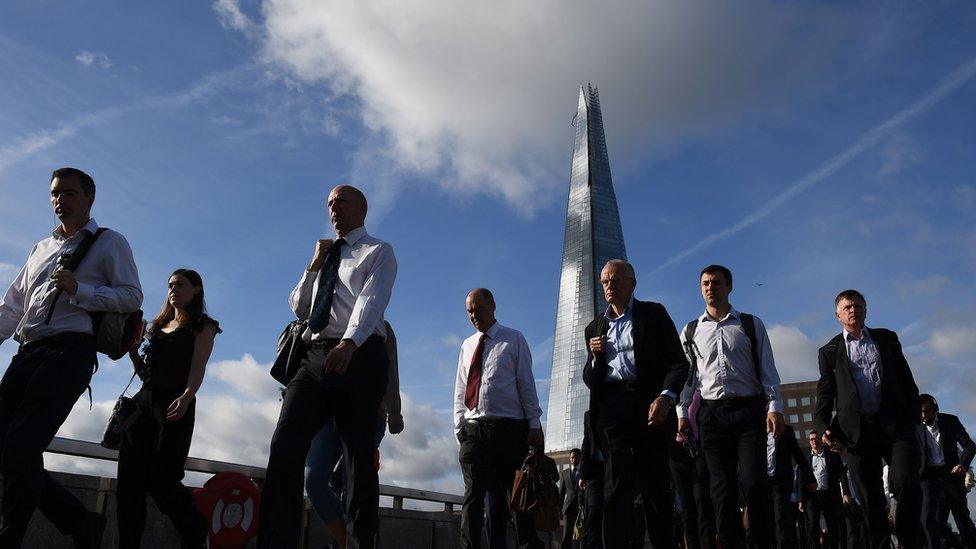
[214, 132]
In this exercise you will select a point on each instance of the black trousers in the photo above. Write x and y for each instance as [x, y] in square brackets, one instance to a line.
[37, 391]
[857, 532]
[733, 435]
[593, 494]
[636, 462]
[151, 460]
[826, 504]
[312, 398]
[938, 484]
[490, 453]
[569, 523]
[899, 449]
[784, 514]
[689, 473]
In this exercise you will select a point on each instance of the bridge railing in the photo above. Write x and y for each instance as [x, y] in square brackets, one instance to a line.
[86, 449]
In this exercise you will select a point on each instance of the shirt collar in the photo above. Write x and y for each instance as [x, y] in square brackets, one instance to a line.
[819, 455]
[865, 335]
[609, 311]
[493, 331]
[91, 227]
[705, 317]
[355, 235]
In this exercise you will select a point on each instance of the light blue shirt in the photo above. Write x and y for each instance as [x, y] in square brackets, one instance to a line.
[819, 464]
[865, 368]
[620, 345]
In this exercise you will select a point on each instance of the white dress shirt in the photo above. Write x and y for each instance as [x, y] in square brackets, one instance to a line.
[933, 445]
[728, 369]
[107, 281]
[819, 464]
[507, 384]
[367, 270]
[865, 368]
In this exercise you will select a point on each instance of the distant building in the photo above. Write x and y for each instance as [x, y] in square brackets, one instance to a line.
[593, 236]
[799, 403]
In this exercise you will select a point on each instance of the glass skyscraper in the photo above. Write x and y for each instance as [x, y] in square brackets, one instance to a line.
[593, 237]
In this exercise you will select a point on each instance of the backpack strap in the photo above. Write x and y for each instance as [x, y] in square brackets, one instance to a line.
[691, 349]
[71, 261]
[749, 326]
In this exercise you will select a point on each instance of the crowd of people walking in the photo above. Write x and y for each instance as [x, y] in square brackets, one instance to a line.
[684, 445]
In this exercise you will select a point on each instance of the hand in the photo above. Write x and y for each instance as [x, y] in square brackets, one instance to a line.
[684, 427]
[659, 410]
[800, 506]
[582, 485]
[536, 438]
[178, 407]
[848, 500]
[830, 443]
[395, 422]
[775, 423]
[318, 258]
[65, 280]
[597, 344]
[338, 358]
[958, 470]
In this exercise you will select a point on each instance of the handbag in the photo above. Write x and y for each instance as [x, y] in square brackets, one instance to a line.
[535, 492]
[579, 527]
[121, 412]
[291, 351]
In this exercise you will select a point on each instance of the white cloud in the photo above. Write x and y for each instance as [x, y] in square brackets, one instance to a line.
[230, 16]
[795, 353]
[901, 152]
[478, 97]
[954, 341]
[247, 377]
[89, 59]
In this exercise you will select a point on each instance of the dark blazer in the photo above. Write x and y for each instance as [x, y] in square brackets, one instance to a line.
[591, 462]
[569, 491]
[900, 407]
[954, 436]
[836, 473]
[660, 361]
[787, 449]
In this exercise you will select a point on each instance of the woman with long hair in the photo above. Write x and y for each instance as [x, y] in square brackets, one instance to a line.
[156, 437]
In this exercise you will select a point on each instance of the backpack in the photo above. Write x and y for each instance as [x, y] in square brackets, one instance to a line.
[535, 491]
[115, 333]
[748, 325]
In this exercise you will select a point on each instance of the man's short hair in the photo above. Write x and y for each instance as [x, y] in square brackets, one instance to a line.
[852, 295]
[484, 292]
[87, 183]
[623, 264]
[812, 432]
[721, 269]
[576, 451]
[926, 398]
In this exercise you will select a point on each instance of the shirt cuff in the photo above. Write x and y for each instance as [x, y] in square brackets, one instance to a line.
[775, 406]
[83, 295]
[682, 411]
[355, 335]
[669, 394]
[535, 423]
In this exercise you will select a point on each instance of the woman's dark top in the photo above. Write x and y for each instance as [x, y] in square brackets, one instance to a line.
[169, 355]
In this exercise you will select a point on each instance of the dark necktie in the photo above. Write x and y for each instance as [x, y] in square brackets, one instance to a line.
[319, 319]
[474, 375]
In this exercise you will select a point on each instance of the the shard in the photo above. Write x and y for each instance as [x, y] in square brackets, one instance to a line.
[593, 237]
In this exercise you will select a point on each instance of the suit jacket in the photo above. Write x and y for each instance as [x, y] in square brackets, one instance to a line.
[658, 357]
[788, 449]
[591, 462]
[953, 436]
[900, 408]
[569, 491]
[836, 473]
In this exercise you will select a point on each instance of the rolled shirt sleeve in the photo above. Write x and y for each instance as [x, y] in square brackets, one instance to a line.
[770, 377]
[12, 306]
[460, 383]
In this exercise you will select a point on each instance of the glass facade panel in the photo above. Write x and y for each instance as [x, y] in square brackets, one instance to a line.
[805, 401]
[592, 237]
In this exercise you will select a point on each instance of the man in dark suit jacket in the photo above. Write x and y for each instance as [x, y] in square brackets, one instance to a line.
[635, 371]
[944, 472]
[824, 496]
[865, 375]
[592, 471]
[569, 490]
[785, 452]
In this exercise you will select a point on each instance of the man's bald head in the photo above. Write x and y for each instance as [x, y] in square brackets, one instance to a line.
[480, 305]
[347, 208]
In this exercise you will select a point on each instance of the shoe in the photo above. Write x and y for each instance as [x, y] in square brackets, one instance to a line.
[90, 534]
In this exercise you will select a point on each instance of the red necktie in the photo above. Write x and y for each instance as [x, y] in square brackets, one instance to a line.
[474, 376]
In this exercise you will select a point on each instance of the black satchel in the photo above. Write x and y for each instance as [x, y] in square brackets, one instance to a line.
[121, 412]
[292, 350]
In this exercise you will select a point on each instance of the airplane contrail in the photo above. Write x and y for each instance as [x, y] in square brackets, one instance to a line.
[870, 138]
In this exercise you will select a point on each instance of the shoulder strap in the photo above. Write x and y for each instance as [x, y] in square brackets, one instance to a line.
[691, 349]
[749, 326]
[71, 263]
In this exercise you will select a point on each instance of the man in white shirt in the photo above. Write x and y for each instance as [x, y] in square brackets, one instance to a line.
[343, 294]
[496, 420]
[741, 403]
[47, 309]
